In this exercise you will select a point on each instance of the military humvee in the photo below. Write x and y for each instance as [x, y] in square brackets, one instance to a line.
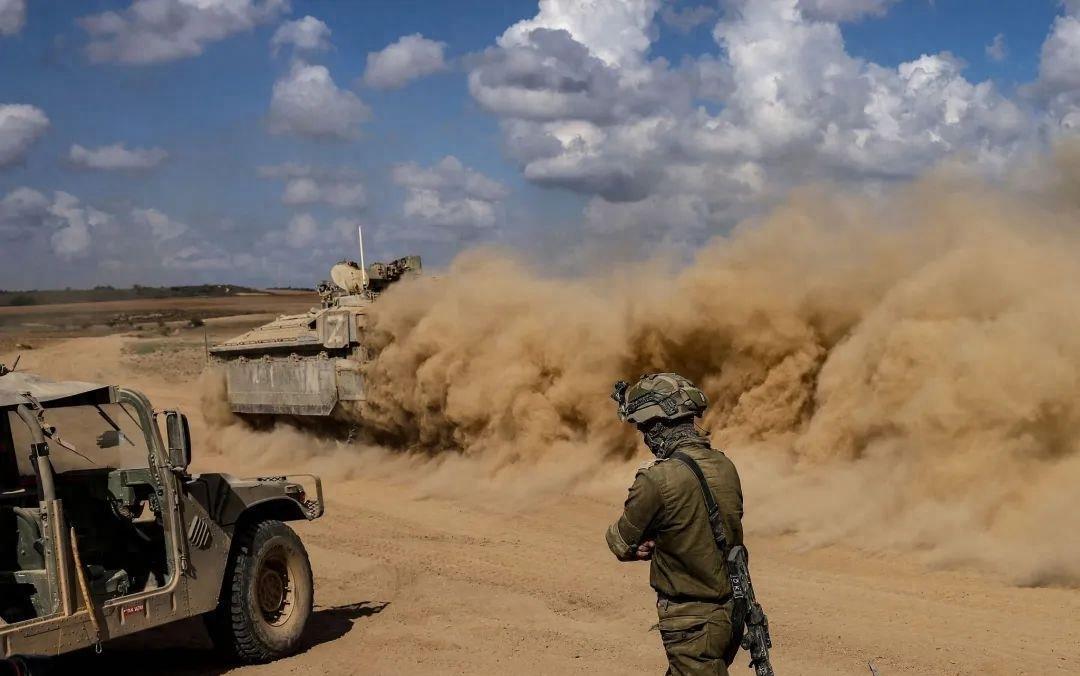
[104, 532]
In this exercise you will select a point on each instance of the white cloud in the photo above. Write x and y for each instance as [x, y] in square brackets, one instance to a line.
[615, 31]
[116, 157]
[161, 226]
[21, 213]
[202, 257]
[346, 230]
[449, 174]
[410, 58]
[306, 102]
[74, 223]
[128, 244]
[20, 126]
[449, 195]
[305, 236]
[302, 231]
[797, 90]
[301, 191]
[843, 10]
[1060, 60]
[584, 111]
[305, 185]
[1058, 85]
[657, 216]
[550, 76]
[996, 49]
[308, 34]
[429, 207]
[154, 31]
[564, 88]
[12, 16]
[74, 230]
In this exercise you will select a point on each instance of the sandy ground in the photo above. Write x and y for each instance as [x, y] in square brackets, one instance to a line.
[479, 582]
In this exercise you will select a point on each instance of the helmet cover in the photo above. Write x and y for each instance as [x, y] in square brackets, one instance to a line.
[659, 396]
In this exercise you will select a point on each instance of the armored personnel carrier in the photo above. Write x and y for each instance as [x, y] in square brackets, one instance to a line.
[307, 365]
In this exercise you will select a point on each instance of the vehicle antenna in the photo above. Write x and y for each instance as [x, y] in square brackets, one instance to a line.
[363, 266]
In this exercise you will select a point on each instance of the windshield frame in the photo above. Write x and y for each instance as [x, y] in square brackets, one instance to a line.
[156, 457]
[148, 422]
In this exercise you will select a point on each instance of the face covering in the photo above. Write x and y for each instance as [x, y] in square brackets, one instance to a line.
[661, 438]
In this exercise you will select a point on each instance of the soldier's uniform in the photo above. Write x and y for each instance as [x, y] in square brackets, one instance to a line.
[665, 504]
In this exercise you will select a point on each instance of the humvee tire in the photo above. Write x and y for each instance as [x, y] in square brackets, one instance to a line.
[26, 666]
[267, 596]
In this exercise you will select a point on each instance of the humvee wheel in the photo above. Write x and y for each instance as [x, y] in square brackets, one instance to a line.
[25, 666]
[267, 597]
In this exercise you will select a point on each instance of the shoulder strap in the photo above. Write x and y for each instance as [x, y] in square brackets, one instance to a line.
[739, 611]
[715, 523]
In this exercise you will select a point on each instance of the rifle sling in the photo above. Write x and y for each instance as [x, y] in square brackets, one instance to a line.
[717, 526]
[738, 615]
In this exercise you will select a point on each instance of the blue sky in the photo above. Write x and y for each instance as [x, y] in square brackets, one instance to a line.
[963, 27]
[626, 130]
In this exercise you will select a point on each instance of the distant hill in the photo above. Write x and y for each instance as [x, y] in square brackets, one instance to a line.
[106, 293]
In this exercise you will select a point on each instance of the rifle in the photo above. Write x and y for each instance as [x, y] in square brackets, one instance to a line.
[748, 612]
[749, 626]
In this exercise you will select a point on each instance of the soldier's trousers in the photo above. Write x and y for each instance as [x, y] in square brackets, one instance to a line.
[695, 635]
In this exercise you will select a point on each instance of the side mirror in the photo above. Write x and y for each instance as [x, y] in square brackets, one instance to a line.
[176, 427]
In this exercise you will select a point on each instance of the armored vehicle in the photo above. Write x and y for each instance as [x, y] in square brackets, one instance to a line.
[105, 531]
[310, 364]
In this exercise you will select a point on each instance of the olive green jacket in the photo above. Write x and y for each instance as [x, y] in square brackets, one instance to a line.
[665, 504]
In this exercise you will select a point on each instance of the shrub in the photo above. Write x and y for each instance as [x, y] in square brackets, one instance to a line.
[22, 300]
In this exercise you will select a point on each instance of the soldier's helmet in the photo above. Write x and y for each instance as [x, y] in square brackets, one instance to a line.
[658, 396]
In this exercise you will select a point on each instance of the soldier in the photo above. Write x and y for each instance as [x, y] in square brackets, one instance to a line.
[666, 521]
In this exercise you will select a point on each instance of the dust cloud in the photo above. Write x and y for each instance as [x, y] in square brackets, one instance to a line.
[896, 372]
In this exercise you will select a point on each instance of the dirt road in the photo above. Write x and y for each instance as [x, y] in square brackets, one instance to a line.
[478, 579]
